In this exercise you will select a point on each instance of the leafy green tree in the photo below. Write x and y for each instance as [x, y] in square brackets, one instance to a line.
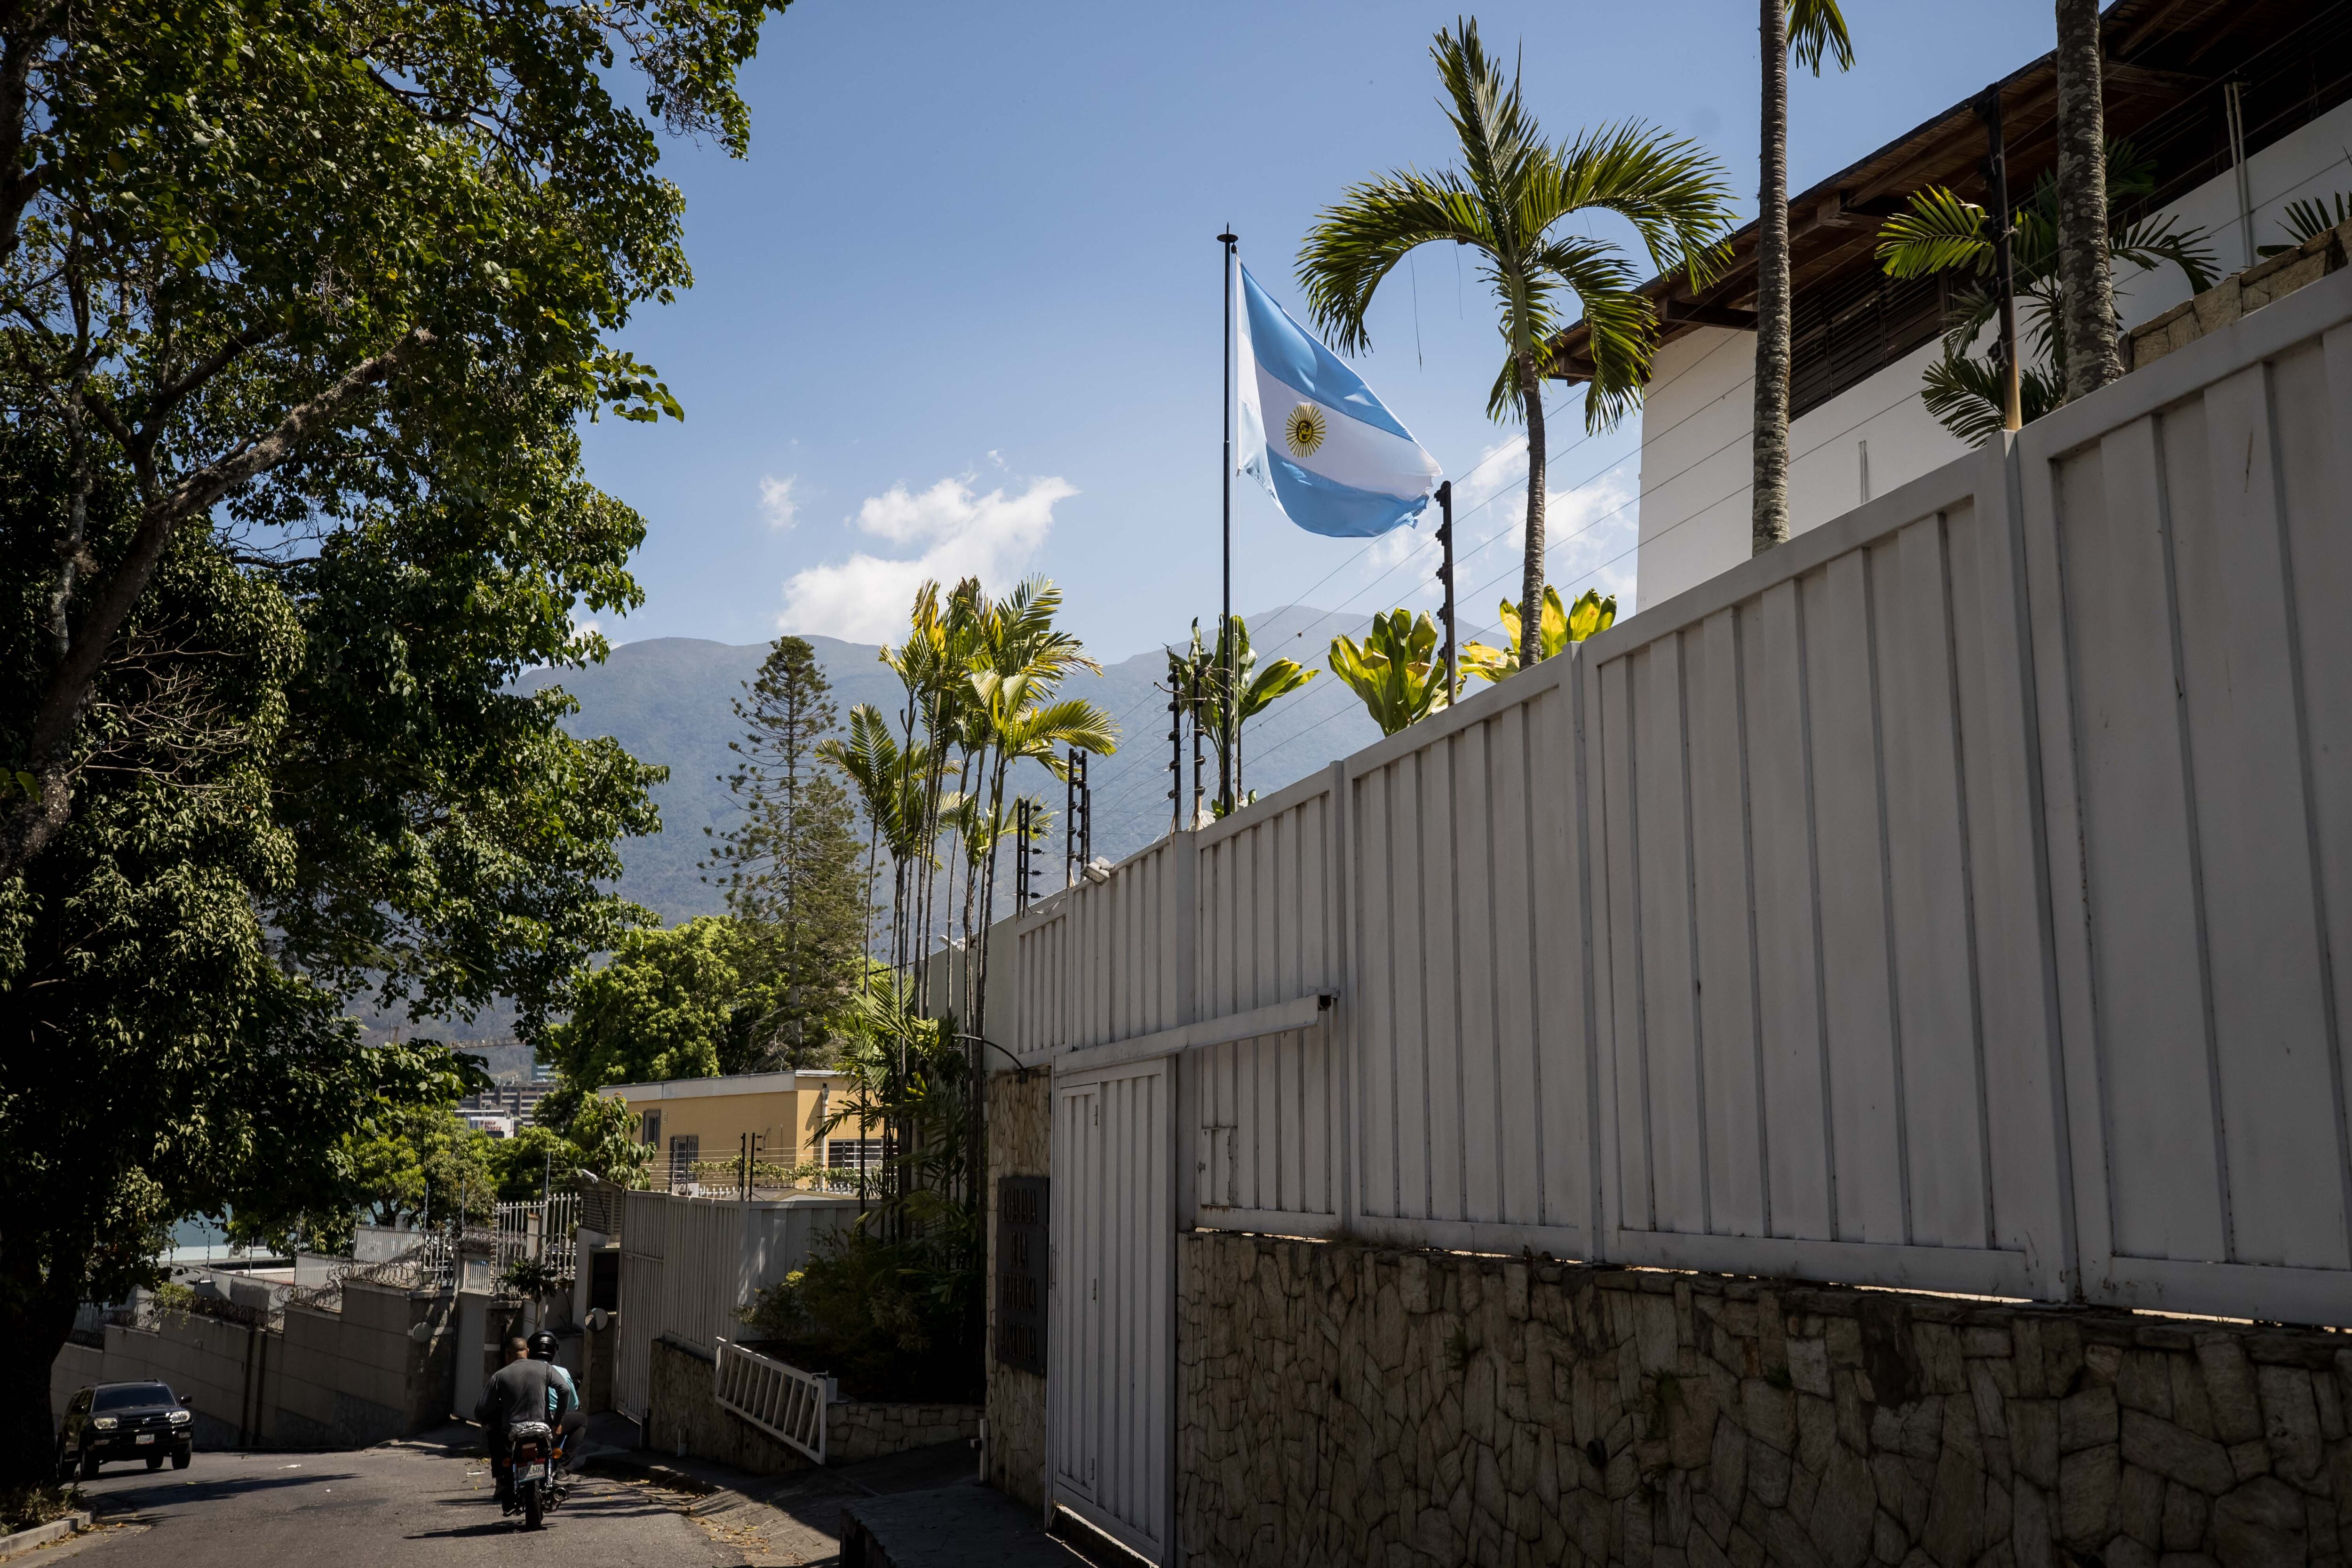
[273, 264]
[1807, 29]
[1396, 669]
[602, 1133]
[419, 1164]
[789, 867]
[1512, 191]
[1560, 626]
[1939, 233]
[669, 1003]
[164, 1054]
[299, 306]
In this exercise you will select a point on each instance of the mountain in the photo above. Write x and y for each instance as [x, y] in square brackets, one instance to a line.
[668, 701]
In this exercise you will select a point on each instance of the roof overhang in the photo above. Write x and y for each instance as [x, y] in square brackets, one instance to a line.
[2157, 53]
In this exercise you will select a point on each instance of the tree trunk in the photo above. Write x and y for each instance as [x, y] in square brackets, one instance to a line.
[2088, 289]
[1769, 513]
[34, 1316]
[1531, 583]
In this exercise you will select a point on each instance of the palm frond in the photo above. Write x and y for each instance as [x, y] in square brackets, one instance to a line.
[1818, 27]
[1672, 192]
[1357, 242]
[1964, 395]
[1939, 232]
[2153, 241]
[2309, 218]
[1490, 122]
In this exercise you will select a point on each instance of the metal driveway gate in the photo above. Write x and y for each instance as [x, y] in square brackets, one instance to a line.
[1111, 1344]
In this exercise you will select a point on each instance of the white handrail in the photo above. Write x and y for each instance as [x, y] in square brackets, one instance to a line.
[779, 1399]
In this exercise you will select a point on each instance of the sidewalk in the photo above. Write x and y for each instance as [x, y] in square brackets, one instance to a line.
[921, 1509]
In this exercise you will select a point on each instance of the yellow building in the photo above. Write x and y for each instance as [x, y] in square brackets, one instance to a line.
[708, 1120]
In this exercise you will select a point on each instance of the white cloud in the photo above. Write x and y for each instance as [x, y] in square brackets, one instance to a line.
[957, 534]
[776, 499]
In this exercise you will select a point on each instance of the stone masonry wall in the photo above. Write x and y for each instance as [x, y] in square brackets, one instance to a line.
[685, 1410]
[1339, 1404]
[1020, 1143]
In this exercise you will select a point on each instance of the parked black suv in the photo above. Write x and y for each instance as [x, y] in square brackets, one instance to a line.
[124, 1421]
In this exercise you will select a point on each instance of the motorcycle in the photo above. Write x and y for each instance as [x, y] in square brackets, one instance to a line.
[536, 1452]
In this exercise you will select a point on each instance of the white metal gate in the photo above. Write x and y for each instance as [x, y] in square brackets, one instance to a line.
[1112, 1358]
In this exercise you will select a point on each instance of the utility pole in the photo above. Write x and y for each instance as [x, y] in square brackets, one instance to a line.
[1445, 575]
[1227, 753]
[2004, 265]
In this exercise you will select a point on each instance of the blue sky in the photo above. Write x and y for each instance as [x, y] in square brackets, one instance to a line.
[960, 308]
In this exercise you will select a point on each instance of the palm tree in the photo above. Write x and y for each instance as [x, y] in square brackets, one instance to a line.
[2092, 356]
[1937, 232]
[1807, 29]
[1512, 189]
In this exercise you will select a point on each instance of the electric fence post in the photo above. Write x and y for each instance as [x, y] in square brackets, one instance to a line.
[1445, 575]
[1077, 822]
[1175, 756]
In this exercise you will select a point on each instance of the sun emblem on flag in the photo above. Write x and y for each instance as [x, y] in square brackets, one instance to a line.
[1303, 431]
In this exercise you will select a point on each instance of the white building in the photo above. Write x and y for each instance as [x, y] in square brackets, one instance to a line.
[1863, 340]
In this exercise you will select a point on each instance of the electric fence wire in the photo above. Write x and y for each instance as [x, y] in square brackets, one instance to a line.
[1504, 451]
[1599, 567]
[1124, 796]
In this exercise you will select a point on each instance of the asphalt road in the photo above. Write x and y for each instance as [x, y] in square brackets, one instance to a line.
[405, 1504]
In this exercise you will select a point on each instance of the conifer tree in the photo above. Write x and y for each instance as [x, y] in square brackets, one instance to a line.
[789, 866]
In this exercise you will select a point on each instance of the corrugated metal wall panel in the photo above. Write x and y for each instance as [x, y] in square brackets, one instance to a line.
[2191, 546]
[1467, 993]
[689, 1266]
[1797, 770]
[1111, 1356]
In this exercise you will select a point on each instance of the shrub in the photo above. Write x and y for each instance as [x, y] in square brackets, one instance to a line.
[888, 1318]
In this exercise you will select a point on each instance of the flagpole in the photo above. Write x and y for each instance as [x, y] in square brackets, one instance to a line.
[1225, 753]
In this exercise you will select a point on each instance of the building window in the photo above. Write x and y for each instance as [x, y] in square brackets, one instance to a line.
[1847, 329]
[684, 1150]
[652, 1128]
[852, 1153]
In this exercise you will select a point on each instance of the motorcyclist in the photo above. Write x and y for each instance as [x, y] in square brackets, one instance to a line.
[519, 1385]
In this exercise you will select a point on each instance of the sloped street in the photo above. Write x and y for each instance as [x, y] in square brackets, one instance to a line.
[408, 1504]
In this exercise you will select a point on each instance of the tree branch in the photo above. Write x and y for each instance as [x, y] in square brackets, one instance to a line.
[168, 396]
[32, 824]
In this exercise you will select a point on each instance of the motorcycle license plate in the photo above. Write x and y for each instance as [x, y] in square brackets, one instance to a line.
[144, 1437]
[530, 1473]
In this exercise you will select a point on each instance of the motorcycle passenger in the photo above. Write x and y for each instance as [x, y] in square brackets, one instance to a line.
[565, 1410]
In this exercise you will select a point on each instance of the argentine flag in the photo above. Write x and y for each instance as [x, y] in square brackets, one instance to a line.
[1336, 460]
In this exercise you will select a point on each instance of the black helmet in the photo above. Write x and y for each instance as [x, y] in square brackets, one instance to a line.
[542, 1346]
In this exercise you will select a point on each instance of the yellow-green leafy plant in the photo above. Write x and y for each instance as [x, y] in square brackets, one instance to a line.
[1395, 670]
[1562, 626]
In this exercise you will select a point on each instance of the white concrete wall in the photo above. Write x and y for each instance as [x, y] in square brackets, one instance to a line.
[75, 1368]
[1694, 427]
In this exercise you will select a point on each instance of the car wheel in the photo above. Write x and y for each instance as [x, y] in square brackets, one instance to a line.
[154, 1461]
[180, 1460]
[88, 1465]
